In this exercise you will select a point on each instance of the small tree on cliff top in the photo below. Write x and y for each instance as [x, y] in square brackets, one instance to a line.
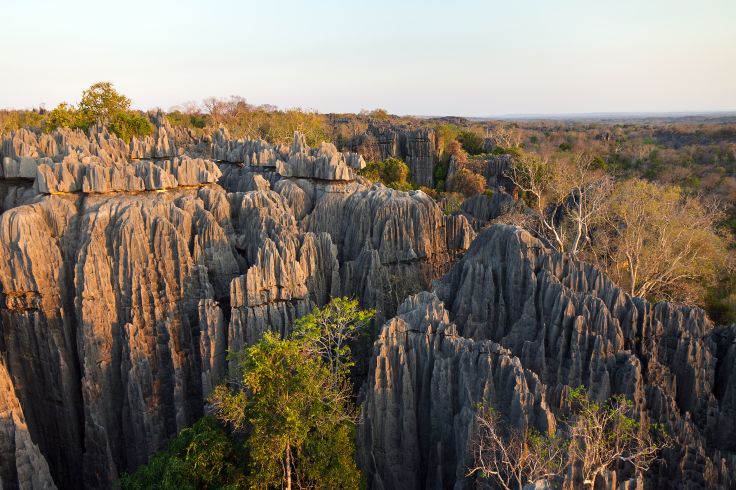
[100, 102]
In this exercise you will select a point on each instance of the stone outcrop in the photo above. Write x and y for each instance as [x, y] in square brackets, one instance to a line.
[494, 168]
[21, 463]
[569, 325]
[481, 208]
[323, 163]
[15, 193]
[92, 178]
[416, 146]
[119, 303]
[256, 153]
[22, 151]
[391, 243]
[424, 383]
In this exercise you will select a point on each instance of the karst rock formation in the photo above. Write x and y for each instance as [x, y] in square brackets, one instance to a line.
[129, 270]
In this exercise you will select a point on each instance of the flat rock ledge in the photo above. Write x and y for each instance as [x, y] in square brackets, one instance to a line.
[97, 178]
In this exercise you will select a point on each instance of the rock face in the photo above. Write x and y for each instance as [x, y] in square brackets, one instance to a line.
[324, 163]
[70, 176]
[257, 153]
[481, 208]
[568, 325]
[424, 384]
[417, 147]
[494, 168]
[21, 462]
[124, 283]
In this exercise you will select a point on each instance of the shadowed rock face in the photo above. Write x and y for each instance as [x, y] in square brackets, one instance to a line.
[424, 384]
[21, 462]
[417, 147]
[566, 324]
[118, 307]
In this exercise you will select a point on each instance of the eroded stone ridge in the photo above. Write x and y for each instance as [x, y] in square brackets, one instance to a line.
[424, 384]
[568, 325]
[22, 151]
[118, 307]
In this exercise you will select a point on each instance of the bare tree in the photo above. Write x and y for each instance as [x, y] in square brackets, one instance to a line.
[568, 196]
[506, 137]
[603, 435]
[215, 107]
[509, 457]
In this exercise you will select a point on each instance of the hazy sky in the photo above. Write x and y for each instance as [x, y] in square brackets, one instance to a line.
[426, 57]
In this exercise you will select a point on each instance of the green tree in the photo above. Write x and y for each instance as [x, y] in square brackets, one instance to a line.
[379, 114]
[100, 102]
[330, 330]
[62, 116]
[295, 414]
[472, 141]
[201, 456]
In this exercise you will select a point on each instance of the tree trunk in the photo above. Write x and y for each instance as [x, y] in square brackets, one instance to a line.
[288, 468]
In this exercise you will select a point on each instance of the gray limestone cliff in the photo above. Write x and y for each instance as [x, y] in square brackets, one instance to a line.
[416, 146]
[125, 282]
[568, 325]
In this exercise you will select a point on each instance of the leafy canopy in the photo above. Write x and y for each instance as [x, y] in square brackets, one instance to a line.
[201, 456]
[126, 125]
[100, 102]
[294, 414]
[330, 330]
[392, 172]
[292, 401]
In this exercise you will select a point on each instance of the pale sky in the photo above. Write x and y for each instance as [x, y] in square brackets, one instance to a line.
[461, 57]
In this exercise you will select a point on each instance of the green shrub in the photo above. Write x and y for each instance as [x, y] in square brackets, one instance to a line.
[11, 120]
[62, 116]
[453, 202]
[201, 456]
[392, 172]
[126, 125]
[500, 150]
[467, 183]
[195, 121]
[472, 142]
[440, 172]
